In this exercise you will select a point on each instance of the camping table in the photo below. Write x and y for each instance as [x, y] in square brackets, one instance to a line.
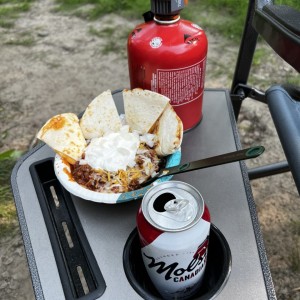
[225, 189]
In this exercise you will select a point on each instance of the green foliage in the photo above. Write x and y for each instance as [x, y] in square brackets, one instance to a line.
[7, 207]
[106, 32]
[295, 227]
[259, 56]
[15, 1]
[98, 8]
[225, 17]
[294, 253]
[24, 39]
[115, 39]
[10, 10]
[13, 9]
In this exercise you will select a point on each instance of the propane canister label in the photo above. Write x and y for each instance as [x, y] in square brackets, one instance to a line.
[181, 85]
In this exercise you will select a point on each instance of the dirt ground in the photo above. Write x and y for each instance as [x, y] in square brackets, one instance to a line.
[51, 63]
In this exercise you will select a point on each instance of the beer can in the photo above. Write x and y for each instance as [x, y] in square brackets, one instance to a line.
[173, 223]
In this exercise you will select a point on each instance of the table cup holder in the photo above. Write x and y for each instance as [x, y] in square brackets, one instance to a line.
[217, 271]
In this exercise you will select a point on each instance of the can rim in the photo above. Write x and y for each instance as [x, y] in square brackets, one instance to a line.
[199, 199]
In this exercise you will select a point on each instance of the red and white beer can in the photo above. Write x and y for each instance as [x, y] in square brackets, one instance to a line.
[173, 223]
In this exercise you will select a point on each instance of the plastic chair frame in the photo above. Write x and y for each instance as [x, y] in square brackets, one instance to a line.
[284, 38]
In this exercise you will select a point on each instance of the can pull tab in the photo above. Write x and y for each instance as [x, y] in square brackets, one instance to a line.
[176, 205]
[172, 209]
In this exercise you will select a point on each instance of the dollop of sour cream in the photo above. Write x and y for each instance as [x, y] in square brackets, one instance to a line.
[112, 152]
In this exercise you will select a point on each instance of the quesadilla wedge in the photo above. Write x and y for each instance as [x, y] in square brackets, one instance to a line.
[63, 134]
[100, 117]
[169, 132]
[143, 108]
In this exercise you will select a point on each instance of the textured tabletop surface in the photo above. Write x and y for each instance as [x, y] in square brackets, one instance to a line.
[226, 192]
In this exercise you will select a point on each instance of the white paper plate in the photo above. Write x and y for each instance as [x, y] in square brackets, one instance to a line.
[62, 171]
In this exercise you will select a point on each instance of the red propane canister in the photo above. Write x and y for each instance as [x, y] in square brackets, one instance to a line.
[167, 55]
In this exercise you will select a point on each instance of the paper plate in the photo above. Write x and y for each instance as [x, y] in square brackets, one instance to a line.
[62, 171]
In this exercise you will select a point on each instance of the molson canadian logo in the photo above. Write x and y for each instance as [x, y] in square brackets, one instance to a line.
[179, 274]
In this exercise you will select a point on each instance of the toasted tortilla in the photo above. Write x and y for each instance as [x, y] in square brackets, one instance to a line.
[101, 117]
[63, 134]
[169, 132]
[143, 108]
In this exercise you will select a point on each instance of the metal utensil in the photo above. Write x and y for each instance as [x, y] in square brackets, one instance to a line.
[226, 158]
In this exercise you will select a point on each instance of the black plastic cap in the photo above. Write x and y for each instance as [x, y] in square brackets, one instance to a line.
[166, 7]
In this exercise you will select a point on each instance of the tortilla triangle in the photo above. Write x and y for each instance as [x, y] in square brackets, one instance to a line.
[143, 108]
[63, 134]
[169, 132]
[100, 117]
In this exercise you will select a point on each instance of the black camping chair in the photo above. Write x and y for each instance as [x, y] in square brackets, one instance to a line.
[279, 26]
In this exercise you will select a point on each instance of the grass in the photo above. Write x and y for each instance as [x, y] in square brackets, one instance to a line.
[7, 207]
[106, 32]
[10, 11]
[294, 255]
[223, 16]
[24, 39]
[98, 8]
[294, 258]
[115, 39]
